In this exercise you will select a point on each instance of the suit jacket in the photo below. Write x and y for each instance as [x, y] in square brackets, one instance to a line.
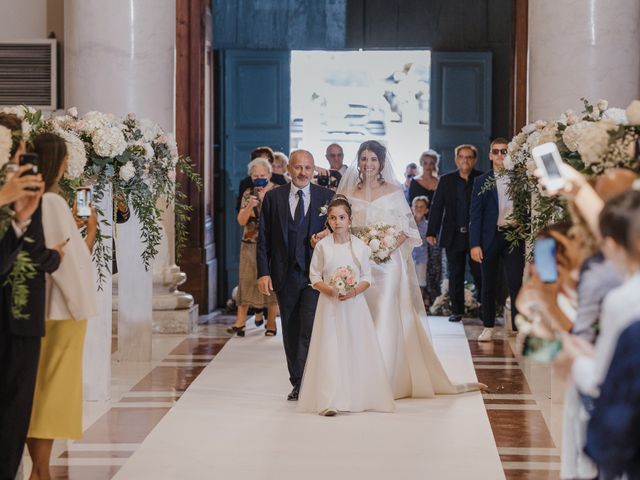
[613, 434]
[9, 248]
[442, 214]
[484, 213]
[45, 261]
[272, 249]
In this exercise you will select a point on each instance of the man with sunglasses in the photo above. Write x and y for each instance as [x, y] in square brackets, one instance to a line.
[491, 221]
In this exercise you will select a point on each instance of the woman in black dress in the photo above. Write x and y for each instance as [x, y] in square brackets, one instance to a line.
[425, 185]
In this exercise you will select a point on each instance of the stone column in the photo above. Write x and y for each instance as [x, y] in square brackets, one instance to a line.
[119, 58]
[582, 48]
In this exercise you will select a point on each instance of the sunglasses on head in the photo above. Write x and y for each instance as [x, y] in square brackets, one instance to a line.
[496, 151]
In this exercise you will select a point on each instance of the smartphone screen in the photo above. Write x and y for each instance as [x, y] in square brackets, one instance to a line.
[550, 165]
[544, 258]
[83, 201]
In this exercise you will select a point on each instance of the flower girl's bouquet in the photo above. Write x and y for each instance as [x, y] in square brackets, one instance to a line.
[382, 240]
[343, 280]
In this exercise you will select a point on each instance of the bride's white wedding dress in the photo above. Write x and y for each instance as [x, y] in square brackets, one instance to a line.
[396, 304]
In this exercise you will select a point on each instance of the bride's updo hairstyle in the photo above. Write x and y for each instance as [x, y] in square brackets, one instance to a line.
[340, 201]
[380, 151]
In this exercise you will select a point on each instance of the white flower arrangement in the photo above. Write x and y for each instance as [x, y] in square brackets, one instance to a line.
[77, 156]
[382, 240]
[599, 138]
[6, 142]
[127, 171]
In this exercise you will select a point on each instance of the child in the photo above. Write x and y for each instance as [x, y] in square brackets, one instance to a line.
[420, 208]
[345, 370]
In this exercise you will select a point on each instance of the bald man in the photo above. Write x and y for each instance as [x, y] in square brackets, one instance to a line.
[290, 221]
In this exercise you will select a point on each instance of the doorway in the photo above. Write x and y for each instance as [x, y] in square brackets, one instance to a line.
[347, 97]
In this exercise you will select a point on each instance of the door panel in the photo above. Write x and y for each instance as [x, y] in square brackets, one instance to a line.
[256, 98]
[460, 105]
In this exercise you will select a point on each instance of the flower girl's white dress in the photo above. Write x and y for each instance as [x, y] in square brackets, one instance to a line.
[344, 370]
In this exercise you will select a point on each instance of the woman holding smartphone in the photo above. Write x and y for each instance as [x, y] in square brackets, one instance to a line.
[70, 300]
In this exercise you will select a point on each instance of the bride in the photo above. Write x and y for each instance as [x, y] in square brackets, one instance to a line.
[394, 297]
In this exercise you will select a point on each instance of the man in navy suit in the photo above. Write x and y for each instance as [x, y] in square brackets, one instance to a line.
[290, 225]
[449, 217]
[490, 221]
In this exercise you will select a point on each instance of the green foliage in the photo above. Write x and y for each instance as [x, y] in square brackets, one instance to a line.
[22, 271]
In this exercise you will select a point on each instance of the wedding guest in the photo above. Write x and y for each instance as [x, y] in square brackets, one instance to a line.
[249, 217]
[335, 156]
[344, 371]
[278, 179]
[613, 434]
[420, 209]
[427, 182]
[449, 221]
[279, 166]
[410, 171]
[21, 331]
[491, 223]
[70, 300]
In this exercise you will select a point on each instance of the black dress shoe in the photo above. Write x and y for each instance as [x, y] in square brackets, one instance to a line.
[293, 396]
[455, 318]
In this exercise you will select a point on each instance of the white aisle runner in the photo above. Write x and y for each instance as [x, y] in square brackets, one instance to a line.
[234, 423]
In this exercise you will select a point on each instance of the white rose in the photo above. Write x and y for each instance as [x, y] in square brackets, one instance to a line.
[148, 151]
[381, 254]
[618, 115]
[373, 232]
[389, 241]
[602, 105]
[127, 171]
[527, 129]
[73, 112]
[633, 113]
[540, 124]
[374, 245]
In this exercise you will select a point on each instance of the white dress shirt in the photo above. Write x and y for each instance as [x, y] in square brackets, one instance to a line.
[293, 199]
[505, 203]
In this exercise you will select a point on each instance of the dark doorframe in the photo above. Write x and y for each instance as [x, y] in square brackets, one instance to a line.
[193, 103]
[520, 72]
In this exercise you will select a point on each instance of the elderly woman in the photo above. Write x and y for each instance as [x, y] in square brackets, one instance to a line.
[248, 217]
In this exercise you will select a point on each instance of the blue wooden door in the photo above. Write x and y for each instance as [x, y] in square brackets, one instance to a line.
[460, 105]
[256, 96]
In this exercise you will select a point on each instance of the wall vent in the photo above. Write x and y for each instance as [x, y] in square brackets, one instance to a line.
[28, 73]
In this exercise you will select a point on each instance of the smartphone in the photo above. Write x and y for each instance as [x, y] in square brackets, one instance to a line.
[31, 158]
[83, 201]
[548, 160]
[540, 349]
[544, 258]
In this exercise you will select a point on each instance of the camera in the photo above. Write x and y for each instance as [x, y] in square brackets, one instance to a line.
[323, 180]
[329, 181]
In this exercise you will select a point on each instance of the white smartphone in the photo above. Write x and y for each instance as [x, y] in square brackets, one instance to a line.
[549, 161]
[83, 201]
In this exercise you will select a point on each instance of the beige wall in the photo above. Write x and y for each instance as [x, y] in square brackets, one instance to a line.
[23, 19]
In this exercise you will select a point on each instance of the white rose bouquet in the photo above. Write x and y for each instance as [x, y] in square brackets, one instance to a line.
[343, 280]
[382, 240]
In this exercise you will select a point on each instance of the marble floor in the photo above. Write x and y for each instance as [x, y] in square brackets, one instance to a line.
[515, 434]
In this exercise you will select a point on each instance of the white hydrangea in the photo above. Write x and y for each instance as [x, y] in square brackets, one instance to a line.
[548, 133]
[77, 156]
[533, 140]
[572, 135]
[127, 171]
[149, 153]
[108, 141]
[594, 141]
[6, 142]
[508, 163]
[569, 117]
[618, 115]
[530, 128]
[150, 130]
[95, 120]
[633, 113]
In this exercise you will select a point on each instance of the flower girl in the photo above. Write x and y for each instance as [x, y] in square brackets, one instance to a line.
[344, 370]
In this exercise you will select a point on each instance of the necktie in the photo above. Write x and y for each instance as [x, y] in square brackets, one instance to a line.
[299, 213]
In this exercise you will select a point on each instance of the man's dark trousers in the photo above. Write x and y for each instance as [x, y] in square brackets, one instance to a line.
[457, 257]
[513, 263]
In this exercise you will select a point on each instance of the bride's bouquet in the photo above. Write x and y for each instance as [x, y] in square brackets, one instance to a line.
[382, 239]
[343, 280]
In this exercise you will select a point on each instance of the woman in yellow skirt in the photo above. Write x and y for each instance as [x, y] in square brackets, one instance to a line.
[70, 301]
